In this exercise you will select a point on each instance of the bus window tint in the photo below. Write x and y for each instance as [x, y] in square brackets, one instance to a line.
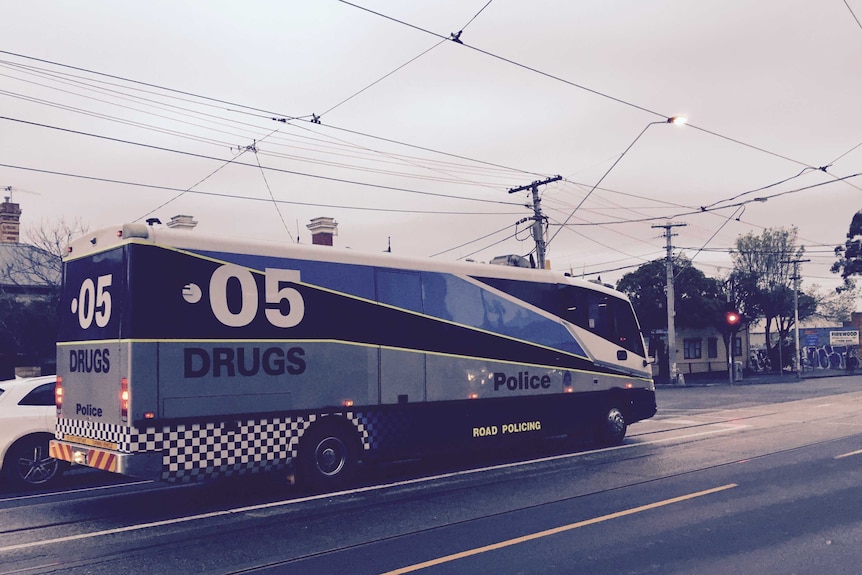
[606, 316]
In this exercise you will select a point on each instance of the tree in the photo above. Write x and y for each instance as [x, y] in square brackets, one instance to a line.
[849, 263]
[694, 299]
[42, 260]
[836, 306]
[762, 278]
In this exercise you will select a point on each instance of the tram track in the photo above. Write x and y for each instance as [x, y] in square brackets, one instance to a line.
[196, 530]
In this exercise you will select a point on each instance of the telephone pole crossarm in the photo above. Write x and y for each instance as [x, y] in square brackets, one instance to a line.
[538, 218]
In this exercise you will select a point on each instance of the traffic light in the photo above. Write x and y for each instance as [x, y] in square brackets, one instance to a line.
[732, 318]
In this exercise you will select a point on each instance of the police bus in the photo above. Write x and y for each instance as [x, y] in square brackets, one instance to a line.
[185, 357]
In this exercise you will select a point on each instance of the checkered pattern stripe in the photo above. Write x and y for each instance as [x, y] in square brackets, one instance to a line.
[196, 451]
[95, 430]
[381, 429]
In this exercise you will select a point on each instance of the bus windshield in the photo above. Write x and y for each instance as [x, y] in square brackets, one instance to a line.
[608, 317]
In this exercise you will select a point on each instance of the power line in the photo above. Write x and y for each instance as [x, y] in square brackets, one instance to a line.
[280, 170]
[408, 62]
[574, 84]
[707, 210]
[262, 113]
[858, 23]
[238, 197]
[473, 241]
[400, 158]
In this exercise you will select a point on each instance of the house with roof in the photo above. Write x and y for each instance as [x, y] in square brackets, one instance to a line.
[29, 284]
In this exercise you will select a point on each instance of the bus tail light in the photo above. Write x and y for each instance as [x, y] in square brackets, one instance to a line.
[58, 396]
[124, 399]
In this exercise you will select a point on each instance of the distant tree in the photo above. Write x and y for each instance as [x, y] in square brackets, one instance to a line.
[836, 306]
[849, 255]
[41, 259]
[694, 299]
[762, 278]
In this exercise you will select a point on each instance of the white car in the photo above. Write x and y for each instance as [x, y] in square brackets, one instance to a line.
[28, 419]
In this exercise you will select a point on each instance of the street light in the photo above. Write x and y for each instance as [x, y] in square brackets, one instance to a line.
[678, 120]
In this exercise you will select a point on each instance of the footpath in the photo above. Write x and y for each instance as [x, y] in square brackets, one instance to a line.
[720, 378]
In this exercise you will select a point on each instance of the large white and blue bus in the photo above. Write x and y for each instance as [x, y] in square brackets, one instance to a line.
[184, 357]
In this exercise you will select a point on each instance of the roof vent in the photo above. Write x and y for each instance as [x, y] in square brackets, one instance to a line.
[182, 223]
[512, 260]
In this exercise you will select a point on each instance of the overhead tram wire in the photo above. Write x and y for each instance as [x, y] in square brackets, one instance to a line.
[407, 63]
[269, 115]
[196, 138]
[858, 23]
[571, 83]
[187, 190]
[377, 81]
[712, 237]
[238, 197]
[211, 174]
[699, 210]
[401, 159]
[488, 246]
[271, 195]
[311, 117]
[502, 58]
[501, 230]
[279, 170]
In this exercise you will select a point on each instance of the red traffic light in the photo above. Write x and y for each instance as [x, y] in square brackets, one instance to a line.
[732, 318]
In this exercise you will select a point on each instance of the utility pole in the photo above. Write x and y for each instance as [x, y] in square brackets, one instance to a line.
[671, 331]
[795, 278]
[538, 218]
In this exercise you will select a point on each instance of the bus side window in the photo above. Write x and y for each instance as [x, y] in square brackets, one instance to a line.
[401, 289]
[573, 306]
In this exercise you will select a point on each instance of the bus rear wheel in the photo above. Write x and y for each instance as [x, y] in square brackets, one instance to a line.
[327, 456]
[612, 427]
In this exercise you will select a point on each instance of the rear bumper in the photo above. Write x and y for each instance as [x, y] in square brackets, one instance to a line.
[142, 465]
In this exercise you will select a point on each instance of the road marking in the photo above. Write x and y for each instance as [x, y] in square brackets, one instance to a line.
[419, 480]
[850, 454]
[556, 530]
[79, 490]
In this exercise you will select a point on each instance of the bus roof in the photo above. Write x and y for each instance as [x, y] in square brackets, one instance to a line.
[112, 237]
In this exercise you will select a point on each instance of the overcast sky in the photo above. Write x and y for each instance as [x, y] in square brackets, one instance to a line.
[421, 138]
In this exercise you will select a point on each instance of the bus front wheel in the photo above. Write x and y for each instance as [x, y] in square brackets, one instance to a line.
[327, 456]
[612, 427]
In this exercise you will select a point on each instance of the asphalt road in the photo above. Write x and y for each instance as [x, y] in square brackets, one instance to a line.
[725, 479]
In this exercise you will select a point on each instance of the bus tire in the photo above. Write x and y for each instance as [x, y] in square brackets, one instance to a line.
[328, 454]
[612, 426]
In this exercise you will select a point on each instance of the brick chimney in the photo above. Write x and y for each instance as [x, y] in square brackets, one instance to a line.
[10, 217]
[323, 230]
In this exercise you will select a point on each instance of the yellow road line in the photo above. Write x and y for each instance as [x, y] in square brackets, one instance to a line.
[843, 455]
[556, 530]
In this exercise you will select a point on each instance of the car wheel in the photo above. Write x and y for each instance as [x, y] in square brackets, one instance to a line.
[29, 465]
